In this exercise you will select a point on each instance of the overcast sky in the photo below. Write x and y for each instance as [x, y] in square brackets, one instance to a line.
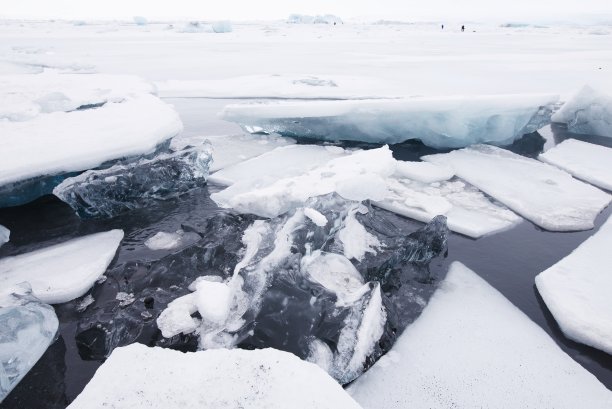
[498, 10]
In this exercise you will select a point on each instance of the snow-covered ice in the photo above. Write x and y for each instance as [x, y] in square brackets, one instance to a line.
[586, 161]
[424, 172]
[577, 289]
[355, 239]
[27, 328]
[64, 271]
[440, 122]
[163, 240]
[5, 234]
[472, 348]
[547, 196]
[589, 111]
[136, 376]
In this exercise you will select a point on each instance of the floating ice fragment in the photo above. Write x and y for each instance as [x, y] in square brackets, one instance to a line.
[84, 303]
[588, 112]
[125, 298]
[213, 301]
[5, 234]
[355, 239]
[315, 216]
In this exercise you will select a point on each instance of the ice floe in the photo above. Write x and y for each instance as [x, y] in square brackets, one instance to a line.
[164, 378]
[472, 348]
[5, 234]
[547, 196]
[589, 111]
[586, 161]
[439, 122]
[577, 289]
[64, 271]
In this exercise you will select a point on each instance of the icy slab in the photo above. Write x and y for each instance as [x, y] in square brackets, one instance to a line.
[59, 143]
[24, 97]
[424, 172]
[265, 378]
[5, 234]
[472, 348]
[586, 161]
[27, 328]
[576, 290]
[588, 112]
[109, 192]
[547, 196]
[64, 271]
[231, 149]
[439, 122]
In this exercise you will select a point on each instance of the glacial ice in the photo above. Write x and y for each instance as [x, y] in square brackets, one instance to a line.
[586, 161]
[589, 111]
[65, 271]
[318, 19]
[5, 234]
[472, 348]
[576, 290]
[222, 26]
[258, 379]
[547, 196]
[27, 328]
[81, 140]
[439, 122]
[109, 192]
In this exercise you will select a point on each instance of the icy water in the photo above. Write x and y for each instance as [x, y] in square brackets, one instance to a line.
[509, 261]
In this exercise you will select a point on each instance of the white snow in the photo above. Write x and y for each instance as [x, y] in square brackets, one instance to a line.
[136, 376]
[589, 162]
[589, 111]
[64, 271]
[547, 196]
[164, 240]
[315, 216]
[452, 121]
[5, 235]
[213, 300]
[472, 348]
[84, 139]
[577, 290]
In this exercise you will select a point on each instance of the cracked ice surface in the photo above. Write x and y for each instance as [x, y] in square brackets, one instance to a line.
[586, 161]
[472, 348]
[547, 196]
[27, 328]
[64, 271]
[258, 379]
[576, 290]
[589, 111]
[439, 122]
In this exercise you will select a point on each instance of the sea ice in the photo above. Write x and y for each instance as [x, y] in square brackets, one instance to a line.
[547, 196]
[589, 162]
[318, 19]
[136, 376]
[167, 241]
[27, 328]
[80, 140]
[472, 348]
[122, 187]
[588, 112]
[64, 271]
[576, 290]
[223, 26]
[439, 122]
[5, 234]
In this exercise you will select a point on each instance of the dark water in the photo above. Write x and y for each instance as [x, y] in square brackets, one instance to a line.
[509, 261]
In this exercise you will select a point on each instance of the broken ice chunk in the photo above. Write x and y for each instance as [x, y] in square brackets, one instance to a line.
[64, 271]
[423, 171]
[84, 303]
[355, 239]
[213, 301]
[547, 196]
[315, 216]
[164, 241]
[176, 318]
[5, 234]
[109, 192]
[587, 112]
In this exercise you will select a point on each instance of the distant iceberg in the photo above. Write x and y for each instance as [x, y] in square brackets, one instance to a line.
[318, 19]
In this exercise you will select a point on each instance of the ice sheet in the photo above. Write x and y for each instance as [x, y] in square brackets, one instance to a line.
[64, 271]
[589, 111]
[164, 378]
[472, 348]
[547, 196]
[576, 290]
[586, 161]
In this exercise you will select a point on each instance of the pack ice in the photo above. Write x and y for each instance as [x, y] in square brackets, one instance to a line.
[27, 328]
[472, 348]
[136, 376]
[64, 271]
[576, 290]
[589, 111]
[547, 196]
[589, 162]
[439, 122]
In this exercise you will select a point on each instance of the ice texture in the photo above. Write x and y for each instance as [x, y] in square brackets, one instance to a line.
[27, 328]
[5, 234]
[589, 111]
[257, 379]
[439, 122]
[80, 140]
[65, 271]
[165, 240]
[543, 194]
[586, 161]
[109, 192]
[576, 290]
[222, 26]
[472, 348]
